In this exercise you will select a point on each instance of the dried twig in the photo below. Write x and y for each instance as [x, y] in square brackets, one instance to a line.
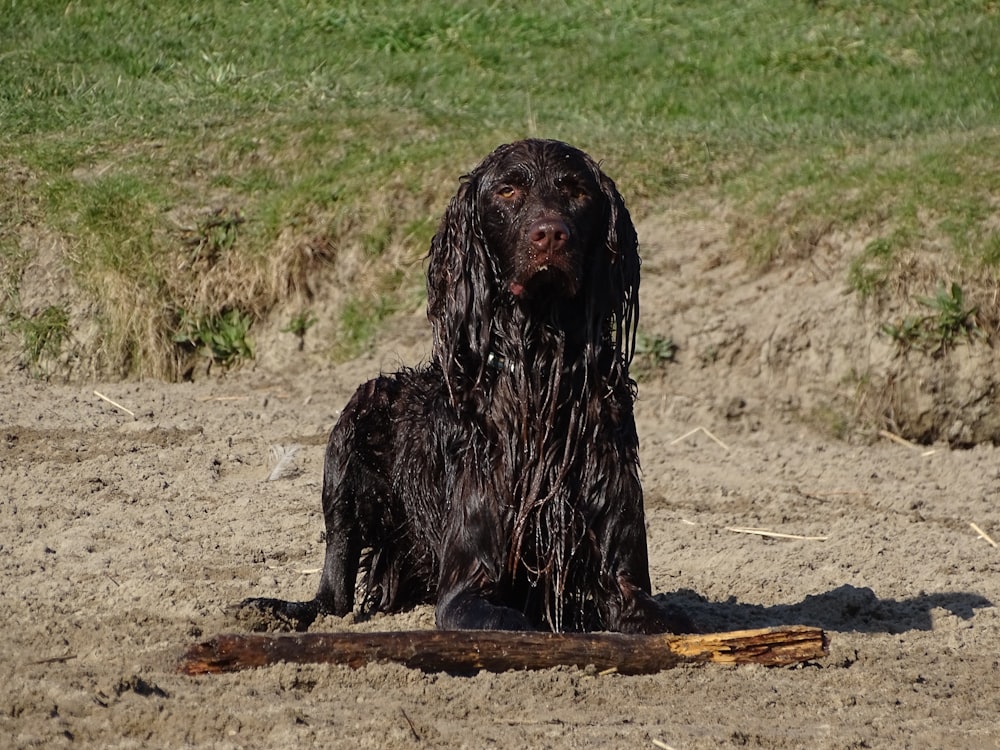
[775, 534]
[907, 443]
[983, 534]
[54, 659]
[699, 429]
[897, 439]
[115, 404]
[413, 729]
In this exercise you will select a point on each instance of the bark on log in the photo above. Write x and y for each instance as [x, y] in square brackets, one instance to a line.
[465, 651]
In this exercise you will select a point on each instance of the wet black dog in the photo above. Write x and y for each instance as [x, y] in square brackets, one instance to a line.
[501, 481]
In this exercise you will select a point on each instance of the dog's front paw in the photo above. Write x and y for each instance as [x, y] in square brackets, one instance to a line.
[471, 612]
[676, 620]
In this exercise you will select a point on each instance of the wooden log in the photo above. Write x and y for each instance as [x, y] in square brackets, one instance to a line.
[465, 651]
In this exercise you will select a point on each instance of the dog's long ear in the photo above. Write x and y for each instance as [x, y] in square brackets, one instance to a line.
[623, 246]
[615, 288]
[460, 291]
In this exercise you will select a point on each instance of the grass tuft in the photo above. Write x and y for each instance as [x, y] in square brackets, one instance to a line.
[42, 337]
[951, 319]
[223, 337]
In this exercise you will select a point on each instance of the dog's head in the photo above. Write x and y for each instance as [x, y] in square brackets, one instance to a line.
[540, 204]
[539, 226]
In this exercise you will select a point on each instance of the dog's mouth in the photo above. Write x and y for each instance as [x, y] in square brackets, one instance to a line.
[547, 264]
[546, 277]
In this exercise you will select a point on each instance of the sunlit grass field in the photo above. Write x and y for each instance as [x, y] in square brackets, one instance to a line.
[192, 166]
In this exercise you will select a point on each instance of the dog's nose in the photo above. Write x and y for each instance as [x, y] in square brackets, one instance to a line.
[548, 235]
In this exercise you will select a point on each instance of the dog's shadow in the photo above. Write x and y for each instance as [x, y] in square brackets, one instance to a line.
[845, 609]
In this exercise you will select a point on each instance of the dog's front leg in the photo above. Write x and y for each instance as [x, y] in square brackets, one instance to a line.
[471, 573]
[630, 606]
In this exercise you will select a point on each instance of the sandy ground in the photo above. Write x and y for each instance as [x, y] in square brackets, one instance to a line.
[125, 539]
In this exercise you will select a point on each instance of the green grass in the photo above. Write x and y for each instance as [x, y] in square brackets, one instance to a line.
[299, 325]
[138, 134]
[42, 336]
[222, 337]
[360, 319]
[950, 319]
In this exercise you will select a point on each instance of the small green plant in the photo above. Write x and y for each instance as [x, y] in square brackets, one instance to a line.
[868, 272]
[223, 337]
[359, 321]
[654, 350]
[937, 331]
[214, 235]
[298, 326]
[42, 334]
[831, 420]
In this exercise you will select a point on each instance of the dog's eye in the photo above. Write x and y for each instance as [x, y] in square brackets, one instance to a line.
[507, 192]
[572, 189]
